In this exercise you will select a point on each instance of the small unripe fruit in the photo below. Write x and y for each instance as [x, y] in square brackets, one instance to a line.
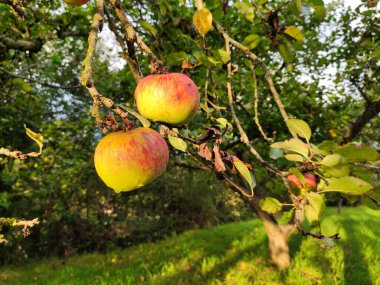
[310, 182]
[129, 160]
[76, 2]
[170, 98]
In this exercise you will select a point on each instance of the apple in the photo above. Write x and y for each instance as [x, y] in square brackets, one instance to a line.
[310, 182]
[128, 160]
[76, 2]
[170, 98]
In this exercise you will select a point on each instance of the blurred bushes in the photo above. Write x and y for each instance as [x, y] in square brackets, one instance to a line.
[77, 219]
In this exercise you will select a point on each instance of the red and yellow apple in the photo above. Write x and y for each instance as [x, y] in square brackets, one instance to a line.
[76, 2]
[170, 98]
[296, 184]
[128, 160]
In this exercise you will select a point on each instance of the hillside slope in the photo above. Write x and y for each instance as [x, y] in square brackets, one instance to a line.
[228, 254]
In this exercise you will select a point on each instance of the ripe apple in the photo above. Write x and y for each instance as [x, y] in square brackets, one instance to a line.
[76, 2]
[310, 182]
[128, 160]
[170, 98]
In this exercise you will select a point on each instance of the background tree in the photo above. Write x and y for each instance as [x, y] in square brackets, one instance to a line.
[256, 68]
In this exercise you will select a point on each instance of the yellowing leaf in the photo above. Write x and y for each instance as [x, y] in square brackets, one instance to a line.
[293, 145]
[177, 143]
[247, 175]
[251, 41]
[294, 32]
[37, 137]
[300, 127]
[202, 20]
[294, 157]
[348, 185]
[335, 165]
[143, 121]
[316, 201]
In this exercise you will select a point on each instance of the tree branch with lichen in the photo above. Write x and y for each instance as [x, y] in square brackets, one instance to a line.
[17, 8]
[133, 37]
[129, 53]
[86, 78]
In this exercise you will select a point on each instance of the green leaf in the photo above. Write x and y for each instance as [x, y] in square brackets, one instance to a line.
[335, 165]
[348, 185]
[177, 143]
[294, 32]
[244, 171]
[286, 217]
[327, 147]
[300, 127]
[286, 53]
[246, 10]
[224, 56]
[175, 58]
[143, 121]
[372, 199]
[357, 153]
[37, 137]
[202, 20]
[371, 203]
[148, 27]
[21, 83]
[311, 215]
[270, 205]
[298, 4]
[251, 41]
[293, 145]
[318, 6]
[316, 201]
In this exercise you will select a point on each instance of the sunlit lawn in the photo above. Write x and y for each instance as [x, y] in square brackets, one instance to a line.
[229, 254]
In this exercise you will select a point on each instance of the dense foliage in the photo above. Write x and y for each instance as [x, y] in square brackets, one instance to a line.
[323, 64]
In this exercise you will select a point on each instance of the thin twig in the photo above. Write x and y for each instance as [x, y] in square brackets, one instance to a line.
[262, 18]
[314, 235]
[255, 58]
[255, 94]
[243, 134]
[156, 65]
[165, 131]
[132, 62]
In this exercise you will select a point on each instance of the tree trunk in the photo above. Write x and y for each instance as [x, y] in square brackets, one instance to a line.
[278, 244]
[340, 205]
[278, 236]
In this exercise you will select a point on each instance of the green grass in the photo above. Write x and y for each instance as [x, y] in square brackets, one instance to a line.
[228, 254]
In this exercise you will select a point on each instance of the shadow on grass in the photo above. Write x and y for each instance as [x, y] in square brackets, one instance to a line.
[356, 269]
[227, 257]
